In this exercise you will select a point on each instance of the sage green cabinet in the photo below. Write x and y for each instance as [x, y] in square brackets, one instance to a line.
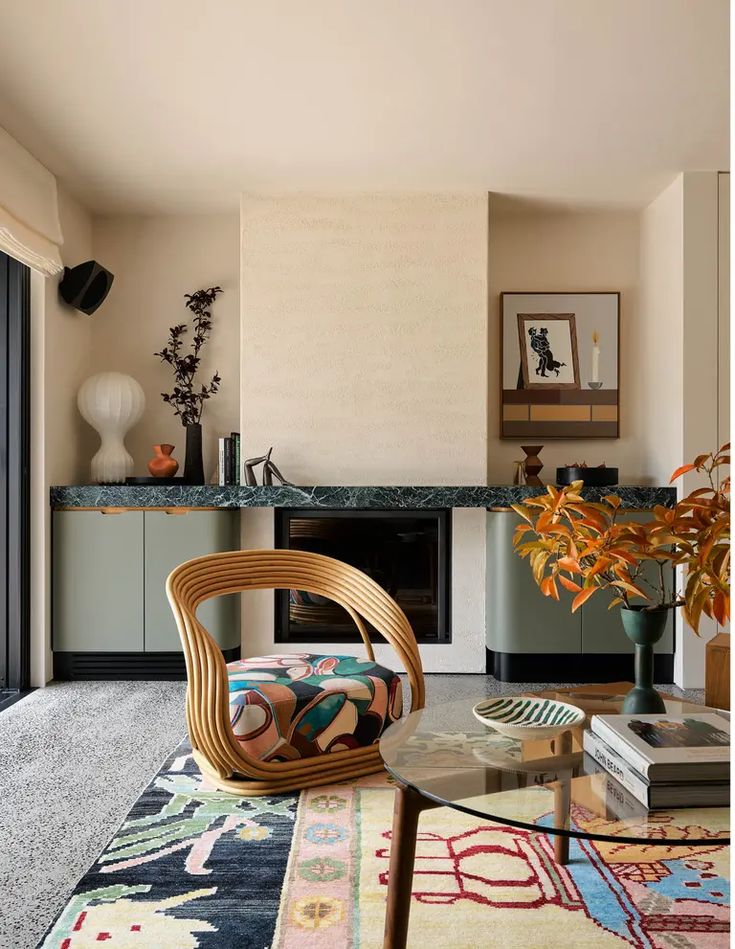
[97, 581]
[109, 576]
[519, 617]
[170, 539]
[521, 620]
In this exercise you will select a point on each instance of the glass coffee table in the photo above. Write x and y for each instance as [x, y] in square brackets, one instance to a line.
[442, 756]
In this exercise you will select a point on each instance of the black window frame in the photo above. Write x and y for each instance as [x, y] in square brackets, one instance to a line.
[15, 473]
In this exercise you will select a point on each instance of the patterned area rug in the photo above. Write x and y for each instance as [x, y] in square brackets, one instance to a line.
[192, 867]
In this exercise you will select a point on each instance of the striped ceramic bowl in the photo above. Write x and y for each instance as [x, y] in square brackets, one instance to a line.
[524, 717]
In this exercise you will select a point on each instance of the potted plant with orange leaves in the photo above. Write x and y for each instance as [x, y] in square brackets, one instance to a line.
[587, 547]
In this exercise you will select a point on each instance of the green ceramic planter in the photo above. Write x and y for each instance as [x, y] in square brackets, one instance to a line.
[644, 628]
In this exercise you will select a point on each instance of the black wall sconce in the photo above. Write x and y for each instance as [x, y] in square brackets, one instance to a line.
[85, 286]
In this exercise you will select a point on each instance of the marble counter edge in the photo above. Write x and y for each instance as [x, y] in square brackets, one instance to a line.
[399, 497]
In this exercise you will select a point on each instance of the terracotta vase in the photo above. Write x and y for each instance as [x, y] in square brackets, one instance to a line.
[162, 465]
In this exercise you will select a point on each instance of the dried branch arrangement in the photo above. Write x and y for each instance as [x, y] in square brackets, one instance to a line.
[187, 396]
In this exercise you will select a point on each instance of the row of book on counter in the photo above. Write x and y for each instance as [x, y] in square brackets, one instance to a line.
[229, 459]
[665, 760]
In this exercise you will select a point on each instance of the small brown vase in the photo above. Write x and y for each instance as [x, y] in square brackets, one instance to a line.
[162, 465]
[533, 464]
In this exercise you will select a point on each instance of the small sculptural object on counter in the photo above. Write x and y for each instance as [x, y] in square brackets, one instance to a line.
[269, 470]
[162, 465]
[532, 464]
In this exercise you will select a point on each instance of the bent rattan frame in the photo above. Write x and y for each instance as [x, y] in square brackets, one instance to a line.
[216, 749]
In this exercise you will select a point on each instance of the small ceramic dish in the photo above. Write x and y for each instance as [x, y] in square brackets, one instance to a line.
[526, 717]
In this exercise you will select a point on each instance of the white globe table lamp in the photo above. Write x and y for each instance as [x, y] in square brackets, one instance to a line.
[112, 403]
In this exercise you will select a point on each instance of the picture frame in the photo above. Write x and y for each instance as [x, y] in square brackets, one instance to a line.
[578, 400]
[539, 341]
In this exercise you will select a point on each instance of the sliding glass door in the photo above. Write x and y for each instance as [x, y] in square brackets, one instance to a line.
[14, 477]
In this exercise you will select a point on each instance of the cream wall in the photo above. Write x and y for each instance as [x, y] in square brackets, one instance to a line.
[466, 653]
[723, 307]
[61, 348]
[364, 353]
[701, 368]
[364, 348]
[534, 247]
[659, 335]
[685, 394]
[157, 260]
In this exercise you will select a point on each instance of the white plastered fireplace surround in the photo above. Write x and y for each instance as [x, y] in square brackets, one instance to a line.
[466, 651]
[364, 362]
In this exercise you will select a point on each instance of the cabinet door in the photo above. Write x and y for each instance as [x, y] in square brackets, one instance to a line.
[602, 629]
[97, 581]
[170, 539]
[520, 619]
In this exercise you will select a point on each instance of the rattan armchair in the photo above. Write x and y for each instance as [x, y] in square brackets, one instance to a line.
[216, 749]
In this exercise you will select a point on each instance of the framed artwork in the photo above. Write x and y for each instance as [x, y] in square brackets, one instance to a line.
[559, 365]
[548, 345]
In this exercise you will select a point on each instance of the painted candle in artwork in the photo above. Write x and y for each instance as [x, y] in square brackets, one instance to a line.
[559, 365]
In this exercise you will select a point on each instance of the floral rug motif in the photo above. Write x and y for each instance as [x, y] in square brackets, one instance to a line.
[192, 867]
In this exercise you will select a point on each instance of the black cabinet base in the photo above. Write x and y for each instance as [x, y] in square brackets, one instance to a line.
[572, 667]
[125, 665]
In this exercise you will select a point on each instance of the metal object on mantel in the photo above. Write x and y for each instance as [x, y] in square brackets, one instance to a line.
[269, 470]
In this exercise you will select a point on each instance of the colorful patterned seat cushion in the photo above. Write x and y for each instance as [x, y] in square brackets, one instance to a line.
[297, 705]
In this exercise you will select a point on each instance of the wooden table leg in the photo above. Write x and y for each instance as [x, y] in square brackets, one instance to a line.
[562, 802]
[407, 806]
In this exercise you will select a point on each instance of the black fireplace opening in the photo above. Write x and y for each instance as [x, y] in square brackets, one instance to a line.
[408, 554]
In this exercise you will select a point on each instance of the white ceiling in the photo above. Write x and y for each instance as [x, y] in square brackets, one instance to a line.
[148, 105]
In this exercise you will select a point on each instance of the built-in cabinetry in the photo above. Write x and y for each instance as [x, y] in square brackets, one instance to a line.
[111, 617]
[531, 637]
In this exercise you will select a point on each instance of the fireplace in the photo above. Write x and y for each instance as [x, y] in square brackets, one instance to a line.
[407, 553]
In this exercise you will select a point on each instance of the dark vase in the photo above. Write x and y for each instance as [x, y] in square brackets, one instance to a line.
[193, 464]
[644, 628]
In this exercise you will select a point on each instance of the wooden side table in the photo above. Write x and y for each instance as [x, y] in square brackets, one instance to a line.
[717, 671]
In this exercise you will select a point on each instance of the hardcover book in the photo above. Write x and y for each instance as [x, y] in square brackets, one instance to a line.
[694, 746]
[229, 465]
[599, 758]
[220, 461]
[235, 436]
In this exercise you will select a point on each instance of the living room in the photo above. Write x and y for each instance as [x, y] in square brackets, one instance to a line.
[397, 339]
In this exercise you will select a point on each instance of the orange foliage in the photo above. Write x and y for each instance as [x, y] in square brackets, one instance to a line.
[585, 547]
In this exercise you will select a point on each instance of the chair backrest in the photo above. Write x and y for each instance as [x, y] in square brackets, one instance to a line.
[203, 578]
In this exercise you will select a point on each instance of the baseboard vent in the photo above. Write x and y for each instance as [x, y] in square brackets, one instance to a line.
[69, 666]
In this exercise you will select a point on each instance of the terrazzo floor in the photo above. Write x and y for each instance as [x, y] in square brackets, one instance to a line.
[73, 759]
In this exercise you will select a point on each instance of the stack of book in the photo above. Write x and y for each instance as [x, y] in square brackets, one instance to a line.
[229, 459]
[665, 761]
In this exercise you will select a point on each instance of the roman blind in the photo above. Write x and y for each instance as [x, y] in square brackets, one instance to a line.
[29, 212]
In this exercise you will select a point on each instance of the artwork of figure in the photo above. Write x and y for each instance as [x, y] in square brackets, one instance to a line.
[540, 345]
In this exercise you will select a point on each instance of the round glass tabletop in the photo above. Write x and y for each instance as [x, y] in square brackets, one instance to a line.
[550, 786]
